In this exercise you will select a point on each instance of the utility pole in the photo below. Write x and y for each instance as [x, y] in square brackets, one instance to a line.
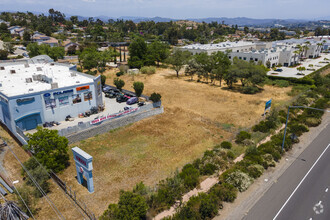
[287, 119]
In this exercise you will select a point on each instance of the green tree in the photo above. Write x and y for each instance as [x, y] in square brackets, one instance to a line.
[103, 79]
[159, 51]
[178, 59]
[138, 88]
[3, 54]
[189, 175]
[26, 38]
[220, 65]
[49, 148]
[89, 58]
[119, 83]
[138, 52]
[33, 49]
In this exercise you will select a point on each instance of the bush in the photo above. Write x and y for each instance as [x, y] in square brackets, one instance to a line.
[255, 170]
[230, 155]
[103, 79]
[148, 70]
[189, 175]
[312, 122]
[297, 129]
[138, 88]
[240, 180]
[208, 207]
[208, 169]
[226, 145]
[225, 192]
[155, 97]
[281, 83]
[90, 73]
[241, 136]
[250, 89]
[119, 83]
[119, 73]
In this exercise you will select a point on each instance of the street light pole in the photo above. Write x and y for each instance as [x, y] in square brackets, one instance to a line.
[287, 119]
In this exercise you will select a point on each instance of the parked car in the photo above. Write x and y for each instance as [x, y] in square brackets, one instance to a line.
[127, 108]
[279, 70]
[106, 89]
[121, 98]
[111, 94]
[141, 104]
[132, 101]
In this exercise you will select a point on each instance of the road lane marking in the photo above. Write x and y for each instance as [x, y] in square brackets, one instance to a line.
[301, 182]
[326, 190]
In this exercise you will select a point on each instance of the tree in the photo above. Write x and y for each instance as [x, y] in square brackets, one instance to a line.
[178, 59]
[138, 52]
[33, 49]
[49, 148]
[192, 68]
[159, 51]
[26, 38]
[189, 175]
[119, 83]
[89, 58]
[103, 79]
[9, 47]
[130, 206]
[3, 54]
[138, 88]
[155, 97]
[220, 65]
[72, 50]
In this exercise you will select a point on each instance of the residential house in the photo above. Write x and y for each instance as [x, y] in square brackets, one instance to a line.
[43, 39]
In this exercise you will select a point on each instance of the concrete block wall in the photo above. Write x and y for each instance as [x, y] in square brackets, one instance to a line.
[113, 124]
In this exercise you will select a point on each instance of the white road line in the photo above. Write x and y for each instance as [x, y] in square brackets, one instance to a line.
[301, 182]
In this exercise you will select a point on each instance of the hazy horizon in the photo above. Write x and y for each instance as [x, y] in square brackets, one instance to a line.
[258, 9]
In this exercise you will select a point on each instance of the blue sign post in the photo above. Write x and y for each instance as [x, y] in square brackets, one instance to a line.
[84, 167]
[268, 105]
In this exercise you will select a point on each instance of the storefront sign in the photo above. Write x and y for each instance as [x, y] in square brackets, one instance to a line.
[81, 88]
[20, 101]
[113, 116]
[47, 95]
[63, 92]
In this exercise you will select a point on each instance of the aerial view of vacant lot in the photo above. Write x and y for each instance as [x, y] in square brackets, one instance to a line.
[197, 116]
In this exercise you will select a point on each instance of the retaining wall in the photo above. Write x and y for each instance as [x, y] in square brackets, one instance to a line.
[113, 124]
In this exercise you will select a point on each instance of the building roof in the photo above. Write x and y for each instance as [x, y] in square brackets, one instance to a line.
[36, 75]
[219, 46]
[50, 41]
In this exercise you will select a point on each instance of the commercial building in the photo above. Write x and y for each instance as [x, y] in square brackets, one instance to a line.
[271, 55]
[39, 90]
[239, 46]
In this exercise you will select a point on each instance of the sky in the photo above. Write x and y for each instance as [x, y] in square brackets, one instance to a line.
[178, 9]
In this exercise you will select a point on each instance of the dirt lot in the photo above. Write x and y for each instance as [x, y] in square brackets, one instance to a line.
[197, 116]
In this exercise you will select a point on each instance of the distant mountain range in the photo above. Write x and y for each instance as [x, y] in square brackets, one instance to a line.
[240, 21]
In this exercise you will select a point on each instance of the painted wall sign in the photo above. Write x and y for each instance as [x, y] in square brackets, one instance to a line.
[20, 101]
[63, 92]
[47, 95]
[81, 88]
[113, 116]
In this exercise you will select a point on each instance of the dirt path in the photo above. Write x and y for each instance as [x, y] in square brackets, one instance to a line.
[207, 184]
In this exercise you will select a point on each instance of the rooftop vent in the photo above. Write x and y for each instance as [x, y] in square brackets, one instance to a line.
[0, 84]
[39, 68]
[28, 80]
[30, 90]
[2, 68]
[77, 81]
[26, 65]
[73, 74]
[54, 86]
[12, 71]
[52, 64]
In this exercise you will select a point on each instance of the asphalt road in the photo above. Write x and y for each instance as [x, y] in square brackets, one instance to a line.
[303, 190]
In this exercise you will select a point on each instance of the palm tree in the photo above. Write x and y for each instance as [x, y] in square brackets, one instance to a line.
[296, 53]
[305, 48]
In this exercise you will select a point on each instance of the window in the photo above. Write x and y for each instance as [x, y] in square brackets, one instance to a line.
[88, 96]
[237, 50]
[12, 71]
[64, 100]
[251, 58]
[256, 59]
[76, 99]
[240, 58]
[244, 58]
[229, 57]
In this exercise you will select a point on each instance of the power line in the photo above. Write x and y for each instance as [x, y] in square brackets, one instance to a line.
[58, 213]
[18, 193]
[58, 185]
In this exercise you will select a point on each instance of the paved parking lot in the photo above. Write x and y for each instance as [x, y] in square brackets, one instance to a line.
[111, 107]
[292, 71]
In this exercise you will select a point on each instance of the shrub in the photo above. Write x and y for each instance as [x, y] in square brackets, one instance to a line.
[240, 180]
[226, 145]
[155, 97]
[119, 73]
[138, 88]
[255, 170]
[123, 68]
[119, 83]
[189, 175]
[208, 207]
[208, 169]
[250, 89]
[281, 83]
[312, 122]
[230, 155]
[101, 70]
[90, 73]
[148, 70]
[241, 136]
[297, 129]
[225, 192]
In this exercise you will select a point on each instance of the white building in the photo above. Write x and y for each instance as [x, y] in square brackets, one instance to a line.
[239, 46]
[38, 90]
[271, 55]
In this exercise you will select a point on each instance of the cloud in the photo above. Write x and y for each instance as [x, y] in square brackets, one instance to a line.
[89, 0]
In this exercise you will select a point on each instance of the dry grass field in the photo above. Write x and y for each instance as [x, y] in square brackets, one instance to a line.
[197, 117]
